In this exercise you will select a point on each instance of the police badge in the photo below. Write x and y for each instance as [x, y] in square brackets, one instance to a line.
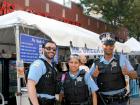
[79, 79]
[113, 64]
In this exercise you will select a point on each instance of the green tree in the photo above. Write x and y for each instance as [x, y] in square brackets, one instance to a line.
[114, 11]
[132, 21]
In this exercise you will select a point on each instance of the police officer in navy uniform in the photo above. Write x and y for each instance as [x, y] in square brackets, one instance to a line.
[110, 71]
[78, 86]
[41, 81]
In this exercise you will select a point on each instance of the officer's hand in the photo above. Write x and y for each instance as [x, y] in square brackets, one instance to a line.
[96, 72]
[61, 96]
[125, 70]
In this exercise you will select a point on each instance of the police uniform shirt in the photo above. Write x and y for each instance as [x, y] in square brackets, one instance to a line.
[88, 80]
[123, 62]
[36, 70]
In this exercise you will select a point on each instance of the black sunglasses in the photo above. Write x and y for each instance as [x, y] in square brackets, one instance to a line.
[50, 48]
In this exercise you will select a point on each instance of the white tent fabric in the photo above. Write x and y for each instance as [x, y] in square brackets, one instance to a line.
[134, 45]
[60, 32]
[121, 47]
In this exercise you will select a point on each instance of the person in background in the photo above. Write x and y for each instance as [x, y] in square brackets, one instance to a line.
[138, 68]
[2, 53]
[110, 71]
[78, 86]
[41, 81]
[83, 61]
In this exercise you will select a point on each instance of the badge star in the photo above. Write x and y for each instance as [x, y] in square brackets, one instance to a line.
[79, 79]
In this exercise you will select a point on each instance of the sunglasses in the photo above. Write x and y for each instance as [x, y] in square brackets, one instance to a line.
[50, 48]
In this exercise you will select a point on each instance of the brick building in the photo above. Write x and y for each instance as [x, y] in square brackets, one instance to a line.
[73, 15]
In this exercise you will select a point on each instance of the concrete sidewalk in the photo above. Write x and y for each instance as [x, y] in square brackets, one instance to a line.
[135, 101]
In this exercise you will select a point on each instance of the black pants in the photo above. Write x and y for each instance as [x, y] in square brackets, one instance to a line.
[44, 101]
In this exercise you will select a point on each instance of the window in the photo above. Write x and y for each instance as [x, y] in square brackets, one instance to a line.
[77, 16]
[27, 3]
[47, 7]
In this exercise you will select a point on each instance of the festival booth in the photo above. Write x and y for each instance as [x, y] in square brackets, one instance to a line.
[22, 34]
[134, 46]
[9, 41]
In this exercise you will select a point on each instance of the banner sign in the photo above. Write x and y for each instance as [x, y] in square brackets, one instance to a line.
[86, 51]
[30, 47]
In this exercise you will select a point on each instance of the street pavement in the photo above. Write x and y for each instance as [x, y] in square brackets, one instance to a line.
[135, 101]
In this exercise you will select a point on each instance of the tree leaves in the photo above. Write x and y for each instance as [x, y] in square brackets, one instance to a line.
[119, 13]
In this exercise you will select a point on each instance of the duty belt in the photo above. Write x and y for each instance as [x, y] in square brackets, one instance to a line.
[82, 103]
[45, 101]
[115, 98]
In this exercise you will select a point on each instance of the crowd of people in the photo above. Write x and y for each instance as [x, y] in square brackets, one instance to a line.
[103, 83]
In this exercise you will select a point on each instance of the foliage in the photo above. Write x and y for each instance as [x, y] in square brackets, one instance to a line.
[132, 21]
[118, 13]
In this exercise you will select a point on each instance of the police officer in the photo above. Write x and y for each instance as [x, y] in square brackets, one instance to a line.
[78, 87]
[41, 82]
[110, 71]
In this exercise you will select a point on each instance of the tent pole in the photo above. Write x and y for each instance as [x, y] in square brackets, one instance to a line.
[17, 55]
[18, 94]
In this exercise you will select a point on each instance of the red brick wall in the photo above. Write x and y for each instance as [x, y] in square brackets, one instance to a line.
[55, 11]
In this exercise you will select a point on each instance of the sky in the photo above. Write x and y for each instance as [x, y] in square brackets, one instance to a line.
[61, 1]
[77, 1]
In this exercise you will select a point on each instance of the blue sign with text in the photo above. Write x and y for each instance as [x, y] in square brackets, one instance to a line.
[30, 47]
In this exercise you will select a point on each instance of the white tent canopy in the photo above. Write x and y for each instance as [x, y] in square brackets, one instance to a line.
[61, 33]
[134, 45]
[121, 47]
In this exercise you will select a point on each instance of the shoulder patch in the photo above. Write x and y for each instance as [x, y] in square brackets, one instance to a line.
[36, 64]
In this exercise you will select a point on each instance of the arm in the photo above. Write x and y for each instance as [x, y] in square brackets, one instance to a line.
[92, 86]
[132, 74]
[127, 68]
[90, 82]
[32, 92]
[94, 98]
[96, 72]
[36, 70]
